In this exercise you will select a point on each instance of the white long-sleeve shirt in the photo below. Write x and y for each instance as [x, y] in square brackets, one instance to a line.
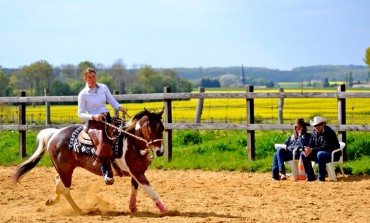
[94, 101]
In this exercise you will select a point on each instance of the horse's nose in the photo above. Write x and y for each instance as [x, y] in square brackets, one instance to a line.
[160, 151]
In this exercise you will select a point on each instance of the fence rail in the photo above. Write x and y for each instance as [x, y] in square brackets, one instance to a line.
[167, 97]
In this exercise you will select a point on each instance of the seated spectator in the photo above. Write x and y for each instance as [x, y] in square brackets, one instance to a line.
[298, 139]
[322, 143]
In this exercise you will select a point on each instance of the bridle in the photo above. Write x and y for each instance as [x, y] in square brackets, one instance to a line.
[121, 130]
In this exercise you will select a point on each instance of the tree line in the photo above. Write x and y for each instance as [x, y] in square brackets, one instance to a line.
[67, 79]
[41, 77]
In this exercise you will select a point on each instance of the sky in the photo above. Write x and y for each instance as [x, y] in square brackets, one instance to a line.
[275, 34]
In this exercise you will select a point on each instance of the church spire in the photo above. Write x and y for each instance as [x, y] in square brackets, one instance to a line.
[242, 77]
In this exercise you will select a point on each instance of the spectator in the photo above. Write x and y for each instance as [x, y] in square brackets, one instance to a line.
[297, 140]
[322, 143]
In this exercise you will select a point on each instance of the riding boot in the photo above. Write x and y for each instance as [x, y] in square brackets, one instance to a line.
[106, 170]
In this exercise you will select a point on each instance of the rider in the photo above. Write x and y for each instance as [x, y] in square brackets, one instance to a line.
[93, 99]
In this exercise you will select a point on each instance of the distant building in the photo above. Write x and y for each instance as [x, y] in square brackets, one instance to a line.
[242, 77]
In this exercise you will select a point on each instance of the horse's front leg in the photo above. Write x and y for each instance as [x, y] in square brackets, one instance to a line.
[144, 183]
[134, 187]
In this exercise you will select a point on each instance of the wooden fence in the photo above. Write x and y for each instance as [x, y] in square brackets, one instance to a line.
[168, 97]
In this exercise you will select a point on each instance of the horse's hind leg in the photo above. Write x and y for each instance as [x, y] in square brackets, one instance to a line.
[61, 189]
[58, 192]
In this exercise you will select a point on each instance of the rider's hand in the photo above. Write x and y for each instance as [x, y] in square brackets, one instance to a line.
[123, 110]
[97, 117]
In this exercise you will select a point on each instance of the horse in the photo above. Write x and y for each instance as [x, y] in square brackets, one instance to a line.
[142, 140]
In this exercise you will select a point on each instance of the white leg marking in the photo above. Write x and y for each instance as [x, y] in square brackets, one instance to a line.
[149, 190]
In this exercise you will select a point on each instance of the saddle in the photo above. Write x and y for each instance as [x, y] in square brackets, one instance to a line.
[84, 138]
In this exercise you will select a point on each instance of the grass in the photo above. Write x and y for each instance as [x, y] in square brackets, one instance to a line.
[216, 150]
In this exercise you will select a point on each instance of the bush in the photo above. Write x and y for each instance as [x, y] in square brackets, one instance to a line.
[188, 137]
[358, 144]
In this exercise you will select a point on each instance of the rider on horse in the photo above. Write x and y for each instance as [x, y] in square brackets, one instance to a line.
[93, 99]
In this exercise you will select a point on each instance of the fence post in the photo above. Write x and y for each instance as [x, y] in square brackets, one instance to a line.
[198, 114]
[342, 135]
[47, 105]
[250, 120]
[168, 119]
[280, 108]
[116, 112]
[22, 121]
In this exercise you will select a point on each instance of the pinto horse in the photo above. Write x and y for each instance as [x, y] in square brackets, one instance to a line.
[142, 134]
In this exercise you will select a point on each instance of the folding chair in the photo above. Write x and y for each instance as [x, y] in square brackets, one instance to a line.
[291, 163]
[330, 165]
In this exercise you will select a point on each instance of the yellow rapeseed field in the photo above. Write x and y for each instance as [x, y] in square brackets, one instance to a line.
[218, 110]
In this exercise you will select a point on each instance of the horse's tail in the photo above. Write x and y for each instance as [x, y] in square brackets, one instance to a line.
[42, 141]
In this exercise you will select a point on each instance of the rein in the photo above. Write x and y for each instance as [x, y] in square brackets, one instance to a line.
[148, 144]
[106, 131]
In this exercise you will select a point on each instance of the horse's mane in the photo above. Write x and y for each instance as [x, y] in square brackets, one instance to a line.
[132, 122]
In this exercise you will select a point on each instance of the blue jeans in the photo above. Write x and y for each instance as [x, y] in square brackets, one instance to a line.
[280, 156]
[320, 157]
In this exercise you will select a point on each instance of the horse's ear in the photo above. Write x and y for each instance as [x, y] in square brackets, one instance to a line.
[161, 112]
[146, 112]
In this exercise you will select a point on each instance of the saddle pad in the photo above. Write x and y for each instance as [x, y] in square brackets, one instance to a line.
[78, 147]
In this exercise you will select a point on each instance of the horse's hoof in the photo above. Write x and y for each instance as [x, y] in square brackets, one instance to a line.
[49, 202]
[80, 212]
[133, 209]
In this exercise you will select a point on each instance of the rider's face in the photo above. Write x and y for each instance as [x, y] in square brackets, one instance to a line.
[90, 79]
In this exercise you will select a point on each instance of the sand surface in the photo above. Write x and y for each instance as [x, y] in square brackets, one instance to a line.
[190, 196]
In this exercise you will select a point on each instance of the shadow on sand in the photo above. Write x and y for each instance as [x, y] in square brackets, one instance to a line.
[169, 213]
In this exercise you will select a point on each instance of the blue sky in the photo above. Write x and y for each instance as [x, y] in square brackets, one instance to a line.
[277, 34]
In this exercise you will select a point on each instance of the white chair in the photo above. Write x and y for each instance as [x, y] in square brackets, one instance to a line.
[330, 165]
[291, 162]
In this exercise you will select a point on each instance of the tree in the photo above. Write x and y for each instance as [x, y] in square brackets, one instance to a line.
[207, 82]
[69, 73]
[229, 80]
[326, 82]
[367, 57]
[350, 79]
[367, 61]
[119, 74]
[4, 84]
[171, 79]
[149, 80]
[58, 88]
[38, 76]
[82, 66]
[103, 77]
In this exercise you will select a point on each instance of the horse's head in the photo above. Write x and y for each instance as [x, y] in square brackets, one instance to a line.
[149, 127]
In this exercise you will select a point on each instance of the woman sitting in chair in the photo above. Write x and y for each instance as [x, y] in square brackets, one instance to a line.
[297, 140]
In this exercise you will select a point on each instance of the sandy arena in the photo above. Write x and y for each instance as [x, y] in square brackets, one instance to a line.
[189, 196]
